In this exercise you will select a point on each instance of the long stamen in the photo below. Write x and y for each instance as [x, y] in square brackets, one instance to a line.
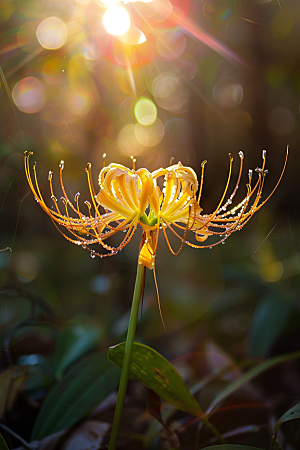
[201, 181]
[158, 300]
[133, 162]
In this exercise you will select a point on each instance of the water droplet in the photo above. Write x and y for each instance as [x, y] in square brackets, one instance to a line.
[84, 247]
[223, 242]
[210, 248]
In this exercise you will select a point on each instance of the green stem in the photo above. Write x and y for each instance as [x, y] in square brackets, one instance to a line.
[127, 357]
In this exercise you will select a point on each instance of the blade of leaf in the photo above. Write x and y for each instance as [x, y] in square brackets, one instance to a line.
[76, 394]
[248, 376]
[269, 319]
[291, 414]
[3, 445]
[154, 409]
[155, 372]
[77, 338]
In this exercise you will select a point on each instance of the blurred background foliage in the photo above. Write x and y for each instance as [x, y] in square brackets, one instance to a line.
[212, 77]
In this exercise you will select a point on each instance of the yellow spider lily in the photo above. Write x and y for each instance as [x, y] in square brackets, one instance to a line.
[166, 199]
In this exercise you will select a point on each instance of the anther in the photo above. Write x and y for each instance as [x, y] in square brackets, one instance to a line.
[265, 172]
[50, 175]
[258, 169]
[264, 153]
[241, 154]
[77, 195]
[87, 204]
[104, 156]
[250, 172]
[203, 163]
[61, 165]
[133, 162]
[171, 160]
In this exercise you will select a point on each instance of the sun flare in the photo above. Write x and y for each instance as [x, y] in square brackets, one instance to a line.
[116, 20]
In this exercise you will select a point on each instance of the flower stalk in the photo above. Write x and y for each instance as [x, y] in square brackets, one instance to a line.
[127, 357]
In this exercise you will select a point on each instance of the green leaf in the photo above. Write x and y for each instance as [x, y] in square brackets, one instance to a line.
[231, 447]
[3, 445]
[76, 394]
[77, 338]
[269, 320]
[291, 414]
[252, 373]
[155, 372]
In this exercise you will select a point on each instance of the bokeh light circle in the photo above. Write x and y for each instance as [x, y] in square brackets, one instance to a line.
[127, 141]
[228, 92]
[281, 120]
[150, 135]
[161, 10]
[52, 33]
[27, 39]
[186, 66]
[171, 43]
[145, 111]
[27, 266]
[116, 20]
[29, 95]
[169, 92]
[79, 101]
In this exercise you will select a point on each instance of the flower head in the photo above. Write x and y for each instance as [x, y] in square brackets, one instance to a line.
[166, 199]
